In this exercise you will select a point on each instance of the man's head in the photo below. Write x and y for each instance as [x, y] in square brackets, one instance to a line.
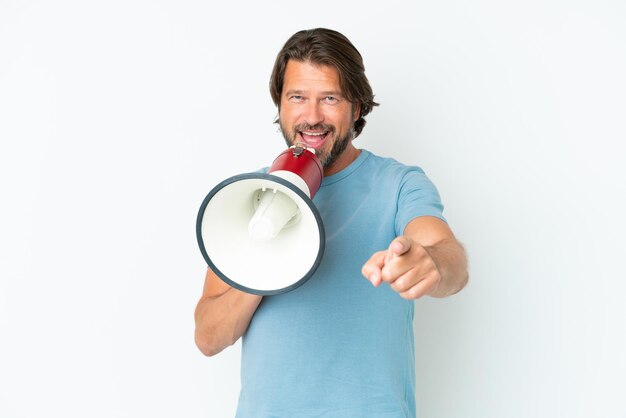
[321, 91]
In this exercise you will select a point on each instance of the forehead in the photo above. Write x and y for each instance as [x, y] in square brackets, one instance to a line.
[304, 75]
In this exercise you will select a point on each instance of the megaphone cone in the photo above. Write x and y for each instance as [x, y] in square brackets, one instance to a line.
[261, 233]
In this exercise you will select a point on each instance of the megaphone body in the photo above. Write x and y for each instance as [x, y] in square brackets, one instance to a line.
[261, 233]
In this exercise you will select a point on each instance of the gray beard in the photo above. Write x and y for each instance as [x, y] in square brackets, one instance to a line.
[339, 146]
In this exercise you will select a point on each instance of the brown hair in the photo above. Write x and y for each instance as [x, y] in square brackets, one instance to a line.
[327, 47]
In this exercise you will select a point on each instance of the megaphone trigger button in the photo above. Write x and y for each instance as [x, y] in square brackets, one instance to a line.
[298, 149]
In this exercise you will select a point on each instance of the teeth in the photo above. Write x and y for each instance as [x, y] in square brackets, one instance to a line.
[314, 134]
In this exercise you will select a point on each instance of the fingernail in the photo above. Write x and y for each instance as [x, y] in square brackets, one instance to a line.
[374, 279]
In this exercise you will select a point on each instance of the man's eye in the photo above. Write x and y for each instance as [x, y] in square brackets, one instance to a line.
[296, 99]
[331, 99]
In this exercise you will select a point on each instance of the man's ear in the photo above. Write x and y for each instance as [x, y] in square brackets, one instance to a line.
[357, 112]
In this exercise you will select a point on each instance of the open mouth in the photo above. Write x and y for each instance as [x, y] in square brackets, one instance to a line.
[313, 139]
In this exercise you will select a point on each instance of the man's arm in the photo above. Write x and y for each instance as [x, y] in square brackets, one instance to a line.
[222, 315]
[426, 260]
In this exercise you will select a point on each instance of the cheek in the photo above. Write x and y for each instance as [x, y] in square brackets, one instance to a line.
[287, 117]
[344, 118]
[343, 124]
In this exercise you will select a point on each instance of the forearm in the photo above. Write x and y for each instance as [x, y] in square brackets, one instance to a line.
[451, 261]
[222, 320]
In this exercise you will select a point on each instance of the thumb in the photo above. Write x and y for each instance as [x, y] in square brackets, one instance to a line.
[398, 247]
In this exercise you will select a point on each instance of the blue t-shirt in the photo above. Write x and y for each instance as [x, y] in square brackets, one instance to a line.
[336, 346]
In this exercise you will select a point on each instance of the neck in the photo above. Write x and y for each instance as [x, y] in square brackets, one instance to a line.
[347, 157]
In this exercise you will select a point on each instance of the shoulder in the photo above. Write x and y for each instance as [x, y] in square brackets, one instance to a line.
[389, 168]
[409, 182]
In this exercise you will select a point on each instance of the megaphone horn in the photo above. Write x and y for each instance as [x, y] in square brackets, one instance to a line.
[261, 233]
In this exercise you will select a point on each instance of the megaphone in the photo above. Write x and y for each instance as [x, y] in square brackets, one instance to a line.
[261, 233]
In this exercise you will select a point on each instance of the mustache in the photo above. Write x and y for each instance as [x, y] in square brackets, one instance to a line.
[317, 127]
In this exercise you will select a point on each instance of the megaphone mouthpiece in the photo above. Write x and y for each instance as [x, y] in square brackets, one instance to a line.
[274, 211]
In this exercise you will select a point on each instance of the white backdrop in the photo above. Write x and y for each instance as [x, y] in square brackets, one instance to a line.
[117, 117]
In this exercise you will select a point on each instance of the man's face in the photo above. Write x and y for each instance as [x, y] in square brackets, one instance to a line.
[314, 112]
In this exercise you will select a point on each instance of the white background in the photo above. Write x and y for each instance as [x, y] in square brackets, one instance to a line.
[117, 117]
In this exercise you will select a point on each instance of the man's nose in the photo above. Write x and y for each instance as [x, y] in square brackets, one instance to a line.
[313, 114]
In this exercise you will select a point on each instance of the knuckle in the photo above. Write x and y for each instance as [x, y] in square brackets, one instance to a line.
[397, 286]
[406, 296]
[387, 276]
[412, 293]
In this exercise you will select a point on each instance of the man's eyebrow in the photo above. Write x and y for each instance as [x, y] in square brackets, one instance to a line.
[292, 91]
[323, 93]
[331, 93]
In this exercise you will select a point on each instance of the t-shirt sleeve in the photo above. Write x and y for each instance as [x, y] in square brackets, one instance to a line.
[417, 196]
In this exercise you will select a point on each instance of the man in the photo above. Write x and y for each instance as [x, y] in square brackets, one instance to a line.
[336, 346]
